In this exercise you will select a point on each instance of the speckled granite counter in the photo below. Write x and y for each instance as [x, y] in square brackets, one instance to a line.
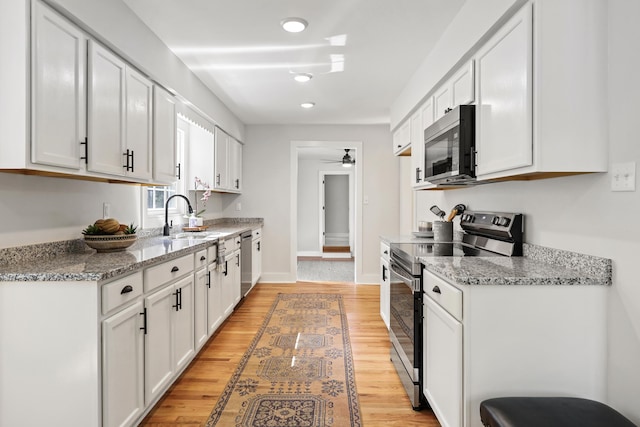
[74, 261]
[539, 266]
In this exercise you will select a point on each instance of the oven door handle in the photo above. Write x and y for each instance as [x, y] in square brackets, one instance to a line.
[401, 274]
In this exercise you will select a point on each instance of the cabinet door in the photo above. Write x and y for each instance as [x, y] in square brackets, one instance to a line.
[442, 352]
[122, 366]
[158, 356]
[256, 261]
[201, 156]
[442, 101]
[402, 137]
[227, 286]
[106, 111]
[385, 291]
[235, 165]
[138, 138]
[504, 109]
[214, 298]
[462, 86]
[200, 307]
[164, 137]
[221, 178]
[58, 90]
[237, 278]
[417, 147]
[183, 330]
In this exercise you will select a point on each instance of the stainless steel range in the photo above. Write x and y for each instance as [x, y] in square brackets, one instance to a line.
[484, 234]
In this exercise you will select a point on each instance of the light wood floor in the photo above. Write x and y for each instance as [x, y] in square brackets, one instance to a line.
[382, 399]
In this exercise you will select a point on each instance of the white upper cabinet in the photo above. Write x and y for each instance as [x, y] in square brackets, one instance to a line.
[504, 110]
[165, 164]
[200, 148]
[417, 146]
[119, 117]
[542, 93]
[457, 90]
[139, 135]
[402, 138]
[228, 163]
[221, 178]
[106, 112]
[58, 102]
[235, 165]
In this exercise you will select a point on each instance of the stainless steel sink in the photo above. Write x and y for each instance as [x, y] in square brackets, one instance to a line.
[198, 235]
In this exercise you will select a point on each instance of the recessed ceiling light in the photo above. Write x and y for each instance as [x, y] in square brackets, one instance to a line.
[302, 77]
[294, 25]
[308, 104]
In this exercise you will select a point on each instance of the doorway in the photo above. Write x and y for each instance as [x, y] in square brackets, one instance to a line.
[336, 214]
[311, 161]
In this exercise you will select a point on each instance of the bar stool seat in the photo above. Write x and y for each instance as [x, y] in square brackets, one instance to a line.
[549, 412]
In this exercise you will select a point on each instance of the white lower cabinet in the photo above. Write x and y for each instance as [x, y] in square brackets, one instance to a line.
[256, 260]
[385, 284]
[200, 307]
[484, 341]
[169, 342]
[443, 363]
[123, 366]
[214, 298]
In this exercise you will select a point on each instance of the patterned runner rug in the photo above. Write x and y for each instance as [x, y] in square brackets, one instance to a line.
[297, 372]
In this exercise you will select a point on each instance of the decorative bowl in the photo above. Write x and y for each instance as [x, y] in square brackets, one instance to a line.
[108, 242]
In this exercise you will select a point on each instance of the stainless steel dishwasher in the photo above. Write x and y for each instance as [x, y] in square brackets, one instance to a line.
[245, 269]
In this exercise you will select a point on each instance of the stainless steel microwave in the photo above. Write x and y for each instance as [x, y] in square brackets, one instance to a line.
[449, 148]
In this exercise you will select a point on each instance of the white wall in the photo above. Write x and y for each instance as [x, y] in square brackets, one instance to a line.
[336, 203]
[267, 189]
[582, 214]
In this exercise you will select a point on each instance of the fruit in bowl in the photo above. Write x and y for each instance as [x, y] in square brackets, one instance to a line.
[108, 235]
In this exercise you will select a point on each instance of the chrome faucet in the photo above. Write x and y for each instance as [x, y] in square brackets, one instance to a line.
[166, 212]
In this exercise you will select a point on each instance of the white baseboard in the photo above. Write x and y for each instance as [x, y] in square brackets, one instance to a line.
[277, 278]
[368, 279]
[335, 255]
[309, 253]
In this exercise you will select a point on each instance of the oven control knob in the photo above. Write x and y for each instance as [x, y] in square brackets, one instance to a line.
[469, 217]
[495, 220]
[504, 221]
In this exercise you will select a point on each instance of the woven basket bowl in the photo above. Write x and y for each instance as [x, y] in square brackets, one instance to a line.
[110, 243]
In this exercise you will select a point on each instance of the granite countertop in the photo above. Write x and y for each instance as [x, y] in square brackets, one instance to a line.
[74, 261]
[539, 265]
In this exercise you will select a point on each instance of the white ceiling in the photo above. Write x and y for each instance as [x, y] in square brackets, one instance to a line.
[361, 53]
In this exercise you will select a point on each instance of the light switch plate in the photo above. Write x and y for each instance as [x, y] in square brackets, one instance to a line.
[106, 210]
[623, 176]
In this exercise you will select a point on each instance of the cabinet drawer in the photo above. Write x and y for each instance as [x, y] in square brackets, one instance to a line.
[257, 233]
[161, 274]
[446, 295]
[384, 251]
[201, 259]
[121, 291]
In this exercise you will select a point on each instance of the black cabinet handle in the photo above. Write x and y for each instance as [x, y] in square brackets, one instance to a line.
[180, 299]
[218, 179]
[202, 258]
[132, 161]
[384, 273]
[226, 268]
[436, 289]
[126, 290]
[238, 260]
[128, 155]
[418, 170]
[447, 110]
[178, 167]
[386, 252]
[174, 269]
[177, 294]
[86, 151]
[144, 321]
[209, 279]
[259, 246]
[399, 145]
[237, 184]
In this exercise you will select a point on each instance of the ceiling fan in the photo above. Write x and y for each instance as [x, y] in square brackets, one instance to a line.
[347, 161]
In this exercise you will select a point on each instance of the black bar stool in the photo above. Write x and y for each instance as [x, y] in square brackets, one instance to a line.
[549, 412]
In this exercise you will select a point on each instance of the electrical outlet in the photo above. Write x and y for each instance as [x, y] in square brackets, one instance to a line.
[238, 206]
[106, 210]
[623, 176]
[365, 200]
